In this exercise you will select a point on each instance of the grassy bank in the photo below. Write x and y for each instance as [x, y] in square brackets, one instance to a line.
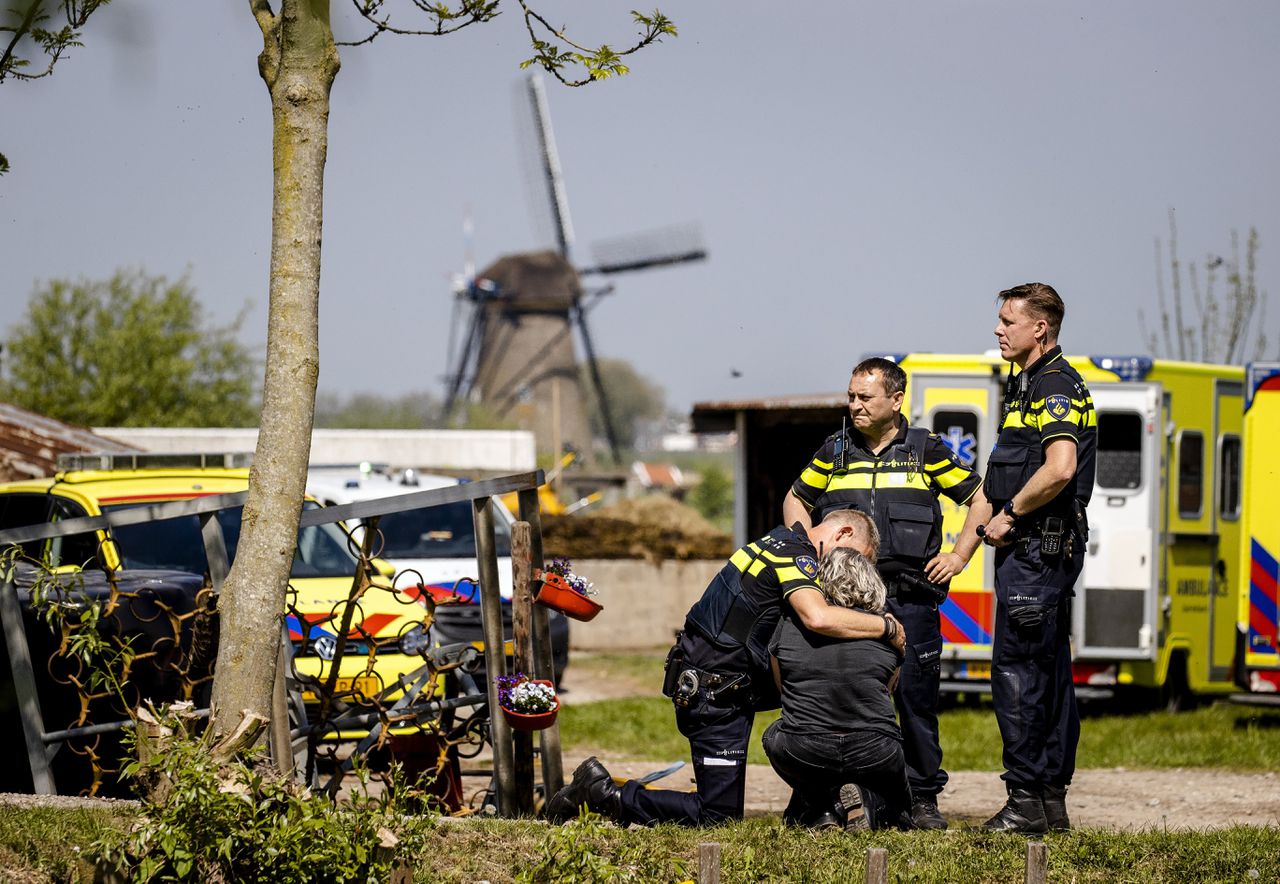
[46, 845]
[1220, 736]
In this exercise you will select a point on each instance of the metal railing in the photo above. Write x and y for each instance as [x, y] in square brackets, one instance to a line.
[325, 711]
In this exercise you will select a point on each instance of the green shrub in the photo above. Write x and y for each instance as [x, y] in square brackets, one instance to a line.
[244, 822]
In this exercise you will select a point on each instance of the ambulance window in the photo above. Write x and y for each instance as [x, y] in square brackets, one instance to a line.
[959, 429]
[1190, 474]
[1229, 476]
[1119, 463]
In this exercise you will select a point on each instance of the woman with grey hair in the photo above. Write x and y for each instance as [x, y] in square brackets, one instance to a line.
[837, 743]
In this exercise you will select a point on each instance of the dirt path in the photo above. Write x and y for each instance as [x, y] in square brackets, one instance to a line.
[1113, 799]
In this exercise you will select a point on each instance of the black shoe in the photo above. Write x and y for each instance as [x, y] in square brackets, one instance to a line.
[1055, 808]
[823, 821]
[1022, 813]
[925, 815]
[591, 785]
[853, 805]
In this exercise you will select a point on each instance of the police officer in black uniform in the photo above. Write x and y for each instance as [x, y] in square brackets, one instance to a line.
[1039, 479]
[718, 673]
[895, 473]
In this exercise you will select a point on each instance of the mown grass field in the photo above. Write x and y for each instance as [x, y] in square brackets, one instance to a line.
[1219, 736]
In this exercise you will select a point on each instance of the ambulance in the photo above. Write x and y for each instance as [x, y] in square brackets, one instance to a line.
[1178, 593]
[1258, 652]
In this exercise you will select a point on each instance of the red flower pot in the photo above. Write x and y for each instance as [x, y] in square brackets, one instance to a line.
[531, 721]
[556, 593]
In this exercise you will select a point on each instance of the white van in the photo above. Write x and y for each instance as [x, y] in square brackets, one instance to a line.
[434, 549]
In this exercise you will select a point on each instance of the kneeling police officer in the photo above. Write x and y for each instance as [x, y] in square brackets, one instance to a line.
[718, 672]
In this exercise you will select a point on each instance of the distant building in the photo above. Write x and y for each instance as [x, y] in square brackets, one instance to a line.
[30, 443]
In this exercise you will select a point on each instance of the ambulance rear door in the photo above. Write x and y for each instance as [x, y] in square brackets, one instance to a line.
[1116, 612]
[964, 409]
[1259, 624]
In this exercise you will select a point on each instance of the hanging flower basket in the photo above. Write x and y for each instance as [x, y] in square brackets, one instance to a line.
[527, 704]
[555, 593]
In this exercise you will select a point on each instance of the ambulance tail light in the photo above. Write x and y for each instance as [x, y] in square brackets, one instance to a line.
[1098, 674]
[1265, 682]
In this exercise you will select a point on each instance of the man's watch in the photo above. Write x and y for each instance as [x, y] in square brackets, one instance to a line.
[1007, 509]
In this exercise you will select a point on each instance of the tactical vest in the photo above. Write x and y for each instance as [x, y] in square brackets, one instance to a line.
[894, 491]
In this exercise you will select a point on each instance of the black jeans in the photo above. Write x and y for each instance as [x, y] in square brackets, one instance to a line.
[1031, 679]
[817, 765]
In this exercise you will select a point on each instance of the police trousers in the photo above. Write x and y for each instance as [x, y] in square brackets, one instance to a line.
[816, 765]
[1031, 680]
[917, 695]
[718, 733]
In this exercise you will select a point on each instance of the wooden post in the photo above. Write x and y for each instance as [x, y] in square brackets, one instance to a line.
[1037, 862]
[495, 661]
[24, 685]
[552, 763]
[522, 636]
[877, 865]
[709, 863]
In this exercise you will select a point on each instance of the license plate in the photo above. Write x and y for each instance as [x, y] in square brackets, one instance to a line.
[977, 670]
[365, 684]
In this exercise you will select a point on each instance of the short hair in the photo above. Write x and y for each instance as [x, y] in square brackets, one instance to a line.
[1041, 301]
[892, 376]
[859, 522]
[848, 579]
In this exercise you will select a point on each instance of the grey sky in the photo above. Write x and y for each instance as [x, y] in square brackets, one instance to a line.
[866, 176]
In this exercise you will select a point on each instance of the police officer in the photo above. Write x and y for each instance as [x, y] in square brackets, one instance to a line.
[718, 673]
[1039, 479]
[895, 473]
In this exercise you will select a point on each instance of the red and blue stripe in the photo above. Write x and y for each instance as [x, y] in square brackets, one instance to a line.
[966, 618]
[1264, 636]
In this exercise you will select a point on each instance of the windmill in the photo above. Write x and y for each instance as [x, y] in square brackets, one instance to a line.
[516, 354]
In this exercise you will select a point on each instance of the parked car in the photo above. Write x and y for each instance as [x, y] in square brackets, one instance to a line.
[322, 574]
[174, 661]
[433, 550]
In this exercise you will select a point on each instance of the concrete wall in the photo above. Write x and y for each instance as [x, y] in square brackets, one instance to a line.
[509, 451]
[644, 604]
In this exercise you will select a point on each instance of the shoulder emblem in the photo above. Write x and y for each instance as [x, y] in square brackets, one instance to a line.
[808, 567]
[1058, 406]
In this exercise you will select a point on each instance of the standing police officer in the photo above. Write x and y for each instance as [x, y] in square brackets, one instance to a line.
[894, 473]
[718, 673]
[1039, 479]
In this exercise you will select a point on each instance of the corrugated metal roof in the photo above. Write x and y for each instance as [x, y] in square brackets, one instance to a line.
[30, 443]
[775, 403]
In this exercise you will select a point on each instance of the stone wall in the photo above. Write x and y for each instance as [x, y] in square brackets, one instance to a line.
[644, 604]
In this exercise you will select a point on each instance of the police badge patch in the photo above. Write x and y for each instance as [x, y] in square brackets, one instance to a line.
[808, 567]
[1058, 406]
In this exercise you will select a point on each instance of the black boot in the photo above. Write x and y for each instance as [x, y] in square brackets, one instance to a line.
[1022, 813]
[1055, 808]
[925, 815]
[591, 785]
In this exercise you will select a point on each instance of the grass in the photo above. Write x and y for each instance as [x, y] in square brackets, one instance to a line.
[52, 841]
[41, 845]
[1219, 736]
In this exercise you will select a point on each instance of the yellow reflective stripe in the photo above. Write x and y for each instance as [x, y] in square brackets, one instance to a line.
[753, 547]
[1071, 436]
[852, 480]
[814, 479]
[788, 574]
[778, 559]
[902, 480]
[1079, 418]
[756, 567]
[740, 560]
[940, 465]
[822, 464]
[951, 477]
[1078, 403]
[787, 592]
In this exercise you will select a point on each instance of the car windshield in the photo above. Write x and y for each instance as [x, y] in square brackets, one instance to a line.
[177, 544]
[438, 532]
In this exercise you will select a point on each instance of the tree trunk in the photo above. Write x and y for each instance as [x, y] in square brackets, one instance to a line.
[298, 63]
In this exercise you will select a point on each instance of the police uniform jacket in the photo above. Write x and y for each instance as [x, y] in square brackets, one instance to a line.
[1049, 400]
[898, 489]
[741, 607]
